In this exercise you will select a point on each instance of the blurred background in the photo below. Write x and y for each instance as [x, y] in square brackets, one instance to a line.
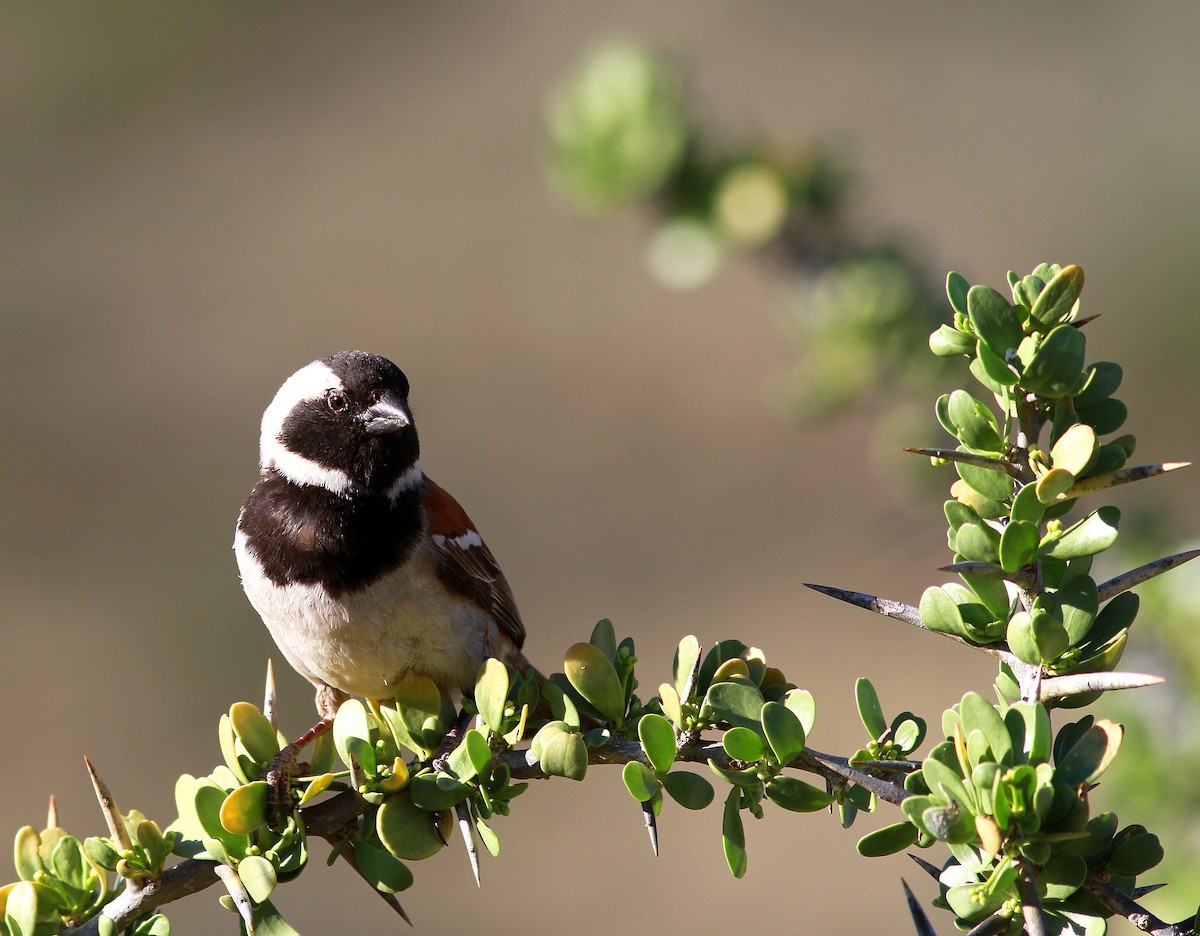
[200, 198]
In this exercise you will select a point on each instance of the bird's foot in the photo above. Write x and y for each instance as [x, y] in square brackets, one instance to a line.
[452, 740]
[284, 767]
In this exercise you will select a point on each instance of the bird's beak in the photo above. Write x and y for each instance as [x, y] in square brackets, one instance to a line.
[390, 414]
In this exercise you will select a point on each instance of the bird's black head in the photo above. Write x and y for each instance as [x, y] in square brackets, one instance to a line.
[343, 423]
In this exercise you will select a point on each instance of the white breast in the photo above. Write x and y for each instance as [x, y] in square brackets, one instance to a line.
[363, 642]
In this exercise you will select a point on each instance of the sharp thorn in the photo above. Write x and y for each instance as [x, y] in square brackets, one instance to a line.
[467, 827]
[112, 814]
[269, 698]
[1114, 479]
[884, 606]
[239, 894]
[1140, 892]
[919, 918]
[52, 814]
[1022, 577]
[992, 926]
[970, 458]
[928, 867]
[1127, 580]
[651, 824]
[1057, 687]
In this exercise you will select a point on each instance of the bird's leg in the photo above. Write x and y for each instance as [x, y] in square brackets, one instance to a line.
[284, 766]
[452, 740]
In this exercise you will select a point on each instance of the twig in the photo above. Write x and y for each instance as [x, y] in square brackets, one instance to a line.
[1120, 902]
[1031, 903]
[996, 923]
[330, 818]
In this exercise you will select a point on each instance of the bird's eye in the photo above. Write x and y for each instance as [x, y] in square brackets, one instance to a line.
[336, 400]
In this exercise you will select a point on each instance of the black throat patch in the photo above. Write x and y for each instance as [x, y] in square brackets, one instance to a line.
[304, 534]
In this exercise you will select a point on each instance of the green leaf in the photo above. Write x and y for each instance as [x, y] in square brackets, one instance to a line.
[1026, 507]
[593, 676]
[258, 877]
[991, 592]
[1091, 754]
[20, 911]
[869, 710]
[1018, 545]
[245, 809]
[604, 639]
[974, 423]
[733, 836]
[947, 341]
[1094, 533]
[994, 484]
[804, 706]
[796, 795]
[1136, 854]
[491, 693]
[386, 873]
[784, 731]
[1058, 298]
[689, 790]
[685, 661]
[1106, 416]
[991, 371]
[1075, 450]
[1103, 379]
[978, 714]
[352, 735]
[742, 778]
[939, 612]
[957, 289]
[1079, 599]
[888, 841]
[435, 792]
[1053, 484]
[640, 781]
[1057, 364]
[254, 730]
[994, 319]
[27, 853]
[737, 703]
[562, 753]
[658, 741]
[1049, 635]
[491, 841]
[977, 542]
[269, 922]
[718, 654]
[406, 830]
[942, 779]
[743, 744]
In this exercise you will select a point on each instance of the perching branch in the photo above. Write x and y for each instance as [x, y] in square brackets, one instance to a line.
[332, 818]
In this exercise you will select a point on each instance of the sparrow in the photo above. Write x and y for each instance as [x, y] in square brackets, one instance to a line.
[362, 568]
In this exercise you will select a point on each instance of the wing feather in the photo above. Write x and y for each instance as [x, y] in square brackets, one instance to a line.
[466, 564]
